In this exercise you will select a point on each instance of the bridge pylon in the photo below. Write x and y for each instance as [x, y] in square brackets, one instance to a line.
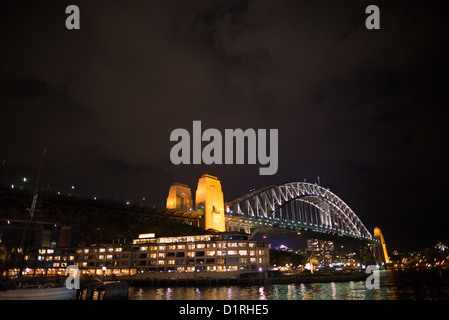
[381, 252]
[179, 197]
[209, 200]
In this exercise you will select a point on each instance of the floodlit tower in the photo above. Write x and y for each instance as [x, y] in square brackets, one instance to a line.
[383, 255]
[179, 197]
[209, 200]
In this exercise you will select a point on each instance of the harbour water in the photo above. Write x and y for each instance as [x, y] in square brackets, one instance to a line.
[394, 285]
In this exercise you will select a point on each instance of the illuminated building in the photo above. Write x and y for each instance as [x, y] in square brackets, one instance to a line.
[323, 249]
[228, 254]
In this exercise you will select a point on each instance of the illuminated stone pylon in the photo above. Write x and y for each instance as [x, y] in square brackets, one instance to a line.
[382, 254]
[179, 197]
[209, 200]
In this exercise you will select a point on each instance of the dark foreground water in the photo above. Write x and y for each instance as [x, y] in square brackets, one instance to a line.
[394, 285]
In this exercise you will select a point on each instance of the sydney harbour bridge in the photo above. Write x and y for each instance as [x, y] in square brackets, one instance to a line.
[294, 208]
[298, 207]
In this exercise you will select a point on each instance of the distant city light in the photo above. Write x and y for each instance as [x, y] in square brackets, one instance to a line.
[127, 202]
[95, 198]
[12, 186]
[143, 198]
[24, 179]
[73, 187]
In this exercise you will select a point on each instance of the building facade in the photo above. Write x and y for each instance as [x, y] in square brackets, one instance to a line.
[148, 255]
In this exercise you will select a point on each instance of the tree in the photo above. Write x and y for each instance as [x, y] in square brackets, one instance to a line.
[312, 259]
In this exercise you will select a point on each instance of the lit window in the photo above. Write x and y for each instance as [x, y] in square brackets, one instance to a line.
[161, 262]
[102, 250]
[243, 252]
[118, 249]
[210, 253]
[181, 246]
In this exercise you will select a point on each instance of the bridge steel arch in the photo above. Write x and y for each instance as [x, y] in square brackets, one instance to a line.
[296, 206]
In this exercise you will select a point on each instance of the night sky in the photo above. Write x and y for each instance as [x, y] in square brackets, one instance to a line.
[365, 110]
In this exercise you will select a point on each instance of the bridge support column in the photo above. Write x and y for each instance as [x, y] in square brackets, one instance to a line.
[64, 236]
[45, 237]
[209, 200]
[381, 252]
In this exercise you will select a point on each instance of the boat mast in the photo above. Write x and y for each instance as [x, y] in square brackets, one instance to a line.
[26, 233]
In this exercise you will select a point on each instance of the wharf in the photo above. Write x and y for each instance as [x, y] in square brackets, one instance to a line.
[317, 278]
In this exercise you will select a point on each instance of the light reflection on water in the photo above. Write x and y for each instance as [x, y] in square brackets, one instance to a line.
[393, 286]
